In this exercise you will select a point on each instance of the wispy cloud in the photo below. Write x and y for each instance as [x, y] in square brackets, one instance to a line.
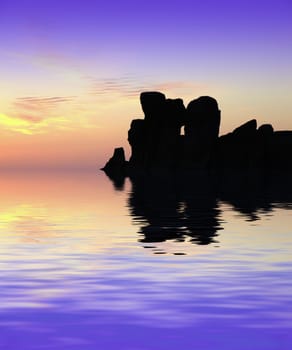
[129, 86]
[34, 114]
[113, 86]
[35, 108]
[24, 125]
[176, 85]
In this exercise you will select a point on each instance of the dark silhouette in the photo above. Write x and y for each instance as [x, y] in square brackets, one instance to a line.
[169, 209]
[186, 207]
[117, 163]
[178, 181]
[201, 132]
[157, 143]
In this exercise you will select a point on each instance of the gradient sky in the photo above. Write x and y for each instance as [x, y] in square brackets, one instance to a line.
[72, 71]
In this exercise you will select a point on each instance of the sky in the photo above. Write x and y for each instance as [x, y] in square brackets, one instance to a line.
[71, 72]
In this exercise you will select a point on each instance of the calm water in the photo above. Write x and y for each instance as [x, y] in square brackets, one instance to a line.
[88, 264]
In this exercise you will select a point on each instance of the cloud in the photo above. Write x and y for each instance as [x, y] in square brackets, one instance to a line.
[176, 85]
[15, 124]
[29, 118]
[33, 114]
[30, 108]
[129, 87]
[110, 86]
[24, 125]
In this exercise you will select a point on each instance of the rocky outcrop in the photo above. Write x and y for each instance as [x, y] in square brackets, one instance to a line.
[237, 150]
[201, 131]
[117, 164]
[157, 142]
[281, 150]
[137, 141]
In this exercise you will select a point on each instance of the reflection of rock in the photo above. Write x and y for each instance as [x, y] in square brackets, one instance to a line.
[169, 209]
[186, 208]
[157, 144]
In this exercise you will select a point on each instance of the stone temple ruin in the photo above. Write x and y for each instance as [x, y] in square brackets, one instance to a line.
[157, 143]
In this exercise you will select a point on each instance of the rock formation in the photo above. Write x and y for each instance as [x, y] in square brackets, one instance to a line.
[117, 163]
[157, 143]
[155, 140]
[201, 131]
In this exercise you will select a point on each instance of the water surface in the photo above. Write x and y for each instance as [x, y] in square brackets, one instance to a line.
[88, 264]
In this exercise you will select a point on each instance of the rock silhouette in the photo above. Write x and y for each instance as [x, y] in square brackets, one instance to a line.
[201, 131]
[187, 207]
[169, 209]
[239, 148]
[117, 163]
[157, 142]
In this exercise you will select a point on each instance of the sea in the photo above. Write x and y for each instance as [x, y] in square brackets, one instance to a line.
[147, 263]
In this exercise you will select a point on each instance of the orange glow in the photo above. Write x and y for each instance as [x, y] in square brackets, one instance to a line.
[38, 208]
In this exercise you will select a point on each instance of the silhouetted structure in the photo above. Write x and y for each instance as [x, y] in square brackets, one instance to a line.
[188, 206]
[179, 179]
[157, 143]
[171, 209]
[201, 132]
[117, 163]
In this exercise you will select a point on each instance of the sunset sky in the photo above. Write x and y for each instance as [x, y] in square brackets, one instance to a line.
[71, 71]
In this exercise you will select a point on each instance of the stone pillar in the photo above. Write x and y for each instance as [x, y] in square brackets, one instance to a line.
[201, 131]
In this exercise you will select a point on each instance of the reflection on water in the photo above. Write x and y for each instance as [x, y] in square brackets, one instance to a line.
[75, 273]
[170, 210]
[180, 209]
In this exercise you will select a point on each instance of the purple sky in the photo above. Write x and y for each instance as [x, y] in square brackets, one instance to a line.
[94, 57]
